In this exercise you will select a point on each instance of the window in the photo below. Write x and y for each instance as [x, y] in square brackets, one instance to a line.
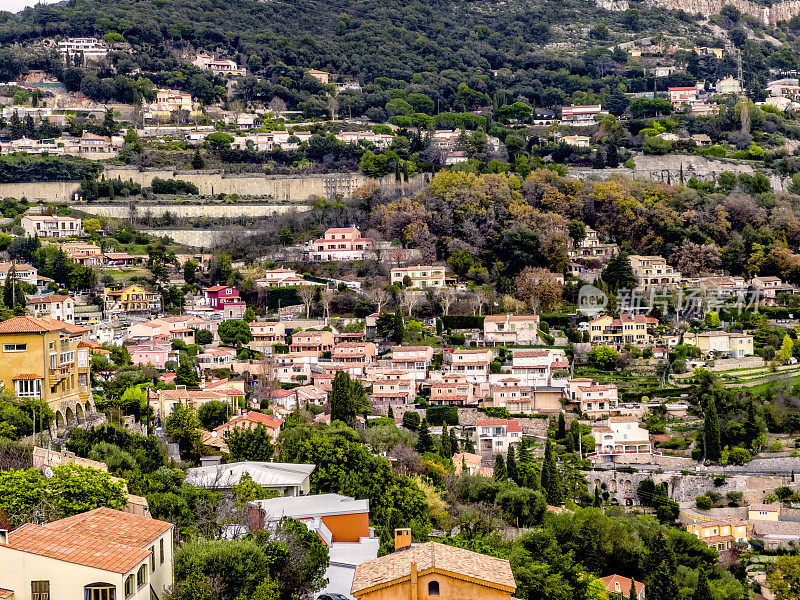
[28, 388]
[161, 550]
[40, 590]
[141, 576]
[99, 591]
[433, 588]
[130, 586]
[15, 347]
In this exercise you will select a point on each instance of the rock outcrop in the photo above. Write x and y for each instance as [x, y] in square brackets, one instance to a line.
[769, 15]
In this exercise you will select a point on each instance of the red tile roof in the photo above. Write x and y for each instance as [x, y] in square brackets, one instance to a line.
[126, 528]
[26, 324]
[624, 584]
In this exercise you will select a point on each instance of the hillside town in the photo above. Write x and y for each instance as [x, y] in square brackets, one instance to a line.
[338, 301]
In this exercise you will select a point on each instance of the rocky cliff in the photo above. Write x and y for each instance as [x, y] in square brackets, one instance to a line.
[769, 15]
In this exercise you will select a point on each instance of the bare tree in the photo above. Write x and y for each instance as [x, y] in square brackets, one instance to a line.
[333, 106]
[306, 293]
[277, 106]
[447, 296]
[327, 297]
[479, 298]
[378, 296]
[410, 299]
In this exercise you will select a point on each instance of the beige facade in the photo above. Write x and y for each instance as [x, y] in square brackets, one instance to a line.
[420, 276]
[735, 345]
[51, 227]
[653, 271]
[511, 329]
[721, 534]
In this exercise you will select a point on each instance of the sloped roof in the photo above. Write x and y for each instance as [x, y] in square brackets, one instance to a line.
[431, 556]
[624, 584]
[267, 474]
[26, 324]
[125, 528]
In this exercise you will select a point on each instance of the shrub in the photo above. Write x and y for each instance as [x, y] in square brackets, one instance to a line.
[703, 502]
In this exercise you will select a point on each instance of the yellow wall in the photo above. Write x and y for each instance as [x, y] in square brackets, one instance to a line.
[450, 588]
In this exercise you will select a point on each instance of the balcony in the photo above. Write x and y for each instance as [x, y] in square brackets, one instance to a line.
[54, 375]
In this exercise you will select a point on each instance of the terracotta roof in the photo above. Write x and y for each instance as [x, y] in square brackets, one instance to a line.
[510, 318]
[26, 324]
[22, 376]
[765, 507]
[255, 417]
[103, 522]
[624, 584]
[530, 353]
[715, 539]
[624, 419]
[4, 593]
[49, 299]
[72, 547]
[431, 556]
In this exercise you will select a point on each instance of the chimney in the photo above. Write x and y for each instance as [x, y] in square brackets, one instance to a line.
[3, 537]
[402, 539]
[414, 579]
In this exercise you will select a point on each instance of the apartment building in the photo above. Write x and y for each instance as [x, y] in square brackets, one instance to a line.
[474, 363]
[420, 276]
[393, 392]
[627, 329]
[82, 49]
[151, 354]
[55, 306]
[653, 271]
[340, 243]
[178, 327]
[582, 116]
[278, 278]
[417, 359]
[267, 333]
[312, 341]
[169, 101]
[51, 227]
[510, 330]
[225, 299]
[133, 299]
[88, 255]
[293, 367]
[597, 401]
[509, 393]
[533, 367]
[44, 358]
[496, 436]
[102, 554]
[452, 389]
[353, 355]
[22, 272]
[621, 439]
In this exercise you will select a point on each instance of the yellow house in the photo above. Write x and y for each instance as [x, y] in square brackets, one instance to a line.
[44, 358]
[132, 299]
[432, 571]
[720, 534]
[735, 345]
[764, 512]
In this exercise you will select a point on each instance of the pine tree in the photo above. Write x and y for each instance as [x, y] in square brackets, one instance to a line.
[500, 473]
[390, 414]
[446, 451]
[712, 434]
[197, 160]
[453, 441]
[511, 466]
[343, 406]
[424, 439]
[562, 427]
[612, 156]
[597, 501]
[702, 591]
[399, 328]
[186, 375]
[632, 594]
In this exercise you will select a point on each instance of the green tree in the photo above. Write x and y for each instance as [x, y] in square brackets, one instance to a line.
[500, 472]
[197, 160]
[618, 273]
[411, 420]
[598, 502]
[702, 591]
[203, 337]
[183, 427]
[787, 348]
[235, 332]
[711, 319]
[213, 414]
[562, 427]
[446, 450]
[453, 442]
[550, 479]
[783, 577]
[603, 358]
[511, 465]
[186, 375]
[246, 443]
[190, 271]
[424, 439]
[398, 332]
[343, 406]
[711, 432]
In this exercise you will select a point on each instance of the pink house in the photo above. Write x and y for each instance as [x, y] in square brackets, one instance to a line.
[152, 354]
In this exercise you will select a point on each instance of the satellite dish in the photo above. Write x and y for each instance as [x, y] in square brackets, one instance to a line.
[48, 473]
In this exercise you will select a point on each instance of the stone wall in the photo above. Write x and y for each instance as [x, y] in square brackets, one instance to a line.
[282, 188]
[44, 191]
[190, 211]
[199, 238]
[670, 169]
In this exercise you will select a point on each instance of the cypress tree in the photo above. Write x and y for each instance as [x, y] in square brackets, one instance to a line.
[469, 445]
[500, 473]
[632, 594]
[399, 330]
[424, 439]
[185, 375]
[751, 428]
[702, 591]
[197, 160]
[712, 435]
[446, 451]
[453, 441]
[562, 427]
[612, 156]
[390, 414]
[550, 479]
[597, 501]
[511, 466]
[342, 403]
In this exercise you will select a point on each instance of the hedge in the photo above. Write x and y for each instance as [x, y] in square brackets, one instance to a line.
[462, 322]
[437, 415]
[25, 169]
[173, 186]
